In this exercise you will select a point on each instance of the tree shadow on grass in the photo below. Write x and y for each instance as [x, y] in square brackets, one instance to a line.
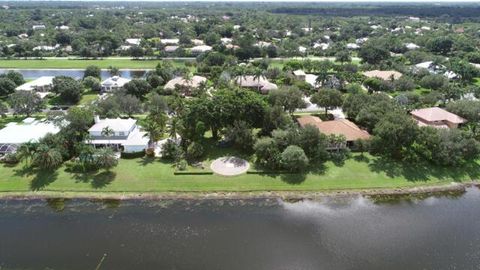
[42, 179]
[293, 178]
[103, 179]
[97, 180]
[423, 171]
[361, 158]
[144, 161]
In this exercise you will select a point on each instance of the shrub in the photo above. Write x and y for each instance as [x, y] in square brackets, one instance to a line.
[171, 150]
[195, 151]
[181, 165]
[293, 158]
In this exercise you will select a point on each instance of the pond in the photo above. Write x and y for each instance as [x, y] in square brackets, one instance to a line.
[348, 233]
[30, 74]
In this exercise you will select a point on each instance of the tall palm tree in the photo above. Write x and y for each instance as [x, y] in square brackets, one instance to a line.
[47, 158]
[257, 75]
[154, 131]
[26, 151]
[108, 132]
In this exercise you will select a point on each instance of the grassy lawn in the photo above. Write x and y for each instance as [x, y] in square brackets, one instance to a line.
[88, 98]
[81, 63]
[155, 175]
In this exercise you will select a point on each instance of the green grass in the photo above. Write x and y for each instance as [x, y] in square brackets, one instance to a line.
[88, 98]
[155, 175]
[81, 63]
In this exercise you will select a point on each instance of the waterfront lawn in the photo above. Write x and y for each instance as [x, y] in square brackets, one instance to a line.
[64, 63]
[155, 175]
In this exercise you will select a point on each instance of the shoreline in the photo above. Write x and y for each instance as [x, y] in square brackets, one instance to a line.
[242, 195]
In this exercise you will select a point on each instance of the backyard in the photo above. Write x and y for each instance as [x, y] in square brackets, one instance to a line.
[155, 175]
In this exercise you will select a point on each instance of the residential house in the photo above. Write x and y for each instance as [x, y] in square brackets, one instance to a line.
[353, 46]
[170, 48]
[42, 85]
[169, 41]
[133, 41]
[434, 68]
[200, 49]
[113, 83]
[262, 83]
[412, 46]
[126, 135]
[197, 42]
[437, 117]
[386, 75]
[336, 127]
[29, 130]
[299, 74]
[39, 27]
[185, 84]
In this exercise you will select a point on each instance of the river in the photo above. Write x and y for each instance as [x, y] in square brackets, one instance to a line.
[349, 233]
[31, 74]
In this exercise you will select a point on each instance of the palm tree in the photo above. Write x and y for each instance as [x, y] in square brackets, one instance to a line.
[107, 132]
[257, 75]
[47, 158]
[105, 158]
[172, 130]
[26, 151]
[154, 131]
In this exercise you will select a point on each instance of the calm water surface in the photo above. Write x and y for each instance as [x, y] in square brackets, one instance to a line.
[31, 74]
[353, 233]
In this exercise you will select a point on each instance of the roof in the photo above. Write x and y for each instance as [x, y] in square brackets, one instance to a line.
[170, 48]
[194, 82]
[435, 114]
[337, 127]
[252, 82]
[308, 120]
[117, 124]
[135, 138]
[133, 41]
[41, 81]
[169, 40]
[385, 75]
[115, 81]
[299, 72]
[201, 48]
[26, 131]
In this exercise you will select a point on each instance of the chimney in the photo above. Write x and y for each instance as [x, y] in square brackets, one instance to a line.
[96, 118]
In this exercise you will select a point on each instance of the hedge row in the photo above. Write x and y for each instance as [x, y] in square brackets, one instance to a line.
[191, 173]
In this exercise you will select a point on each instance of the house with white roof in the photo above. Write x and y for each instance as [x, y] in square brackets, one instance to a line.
[169, 41]
[42, 85]
[126, 135]
[114, 83]
[433, 68]
[197, 42]
[412, 46]
[133, 41]
[39, 27]
[200, 49]
[29, 130]
[352, 46]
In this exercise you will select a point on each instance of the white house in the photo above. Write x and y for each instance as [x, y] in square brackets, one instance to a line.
[352, 46]
[29, 130]
[39, 27]
[133, 41]
[433, 68]
[114, 83]
[412, 46]
[169, 41]
[42, 85]
[201, 49]
[126, 135]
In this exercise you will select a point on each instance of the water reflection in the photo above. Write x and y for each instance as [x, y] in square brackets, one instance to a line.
[436, 232]
[30, 74]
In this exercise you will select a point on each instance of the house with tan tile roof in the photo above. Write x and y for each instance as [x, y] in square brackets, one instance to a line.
[437, 117]
[336, 127]
[386, 75]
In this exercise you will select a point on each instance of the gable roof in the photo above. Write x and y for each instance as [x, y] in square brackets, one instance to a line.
[28, 130]
[39, 82]
[337, 127]
[435, 114]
